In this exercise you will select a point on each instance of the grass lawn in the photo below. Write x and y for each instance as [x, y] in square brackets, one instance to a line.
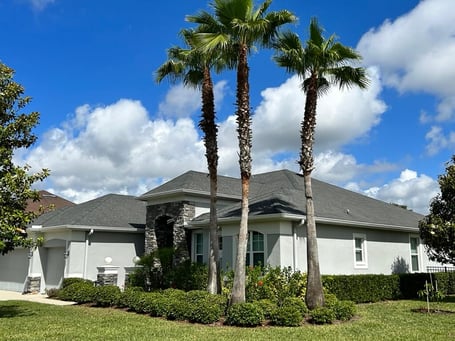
[20, 320]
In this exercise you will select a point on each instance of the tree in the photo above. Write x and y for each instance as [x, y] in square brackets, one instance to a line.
[437, 229]
[237, 23]
[320, 63]
[15, 181]
[193, 68]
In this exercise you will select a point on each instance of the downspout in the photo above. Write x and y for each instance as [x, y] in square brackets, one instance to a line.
[87, 236]
[294, 241]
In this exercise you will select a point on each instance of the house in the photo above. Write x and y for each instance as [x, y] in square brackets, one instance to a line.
[100, 239]
[96, 239]
[356, 234]
[47, 202]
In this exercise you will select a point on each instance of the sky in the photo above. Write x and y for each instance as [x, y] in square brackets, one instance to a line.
[106, 126]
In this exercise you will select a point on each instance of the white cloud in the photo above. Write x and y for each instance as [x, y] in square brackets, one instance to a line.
[276, 122]
[410, 189]
[180, 101]
[115, 148]
[438, 140]
[416, 52]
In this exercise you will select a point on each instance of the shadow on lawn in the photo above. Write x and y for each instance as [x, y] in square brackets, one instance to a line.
[9, 311]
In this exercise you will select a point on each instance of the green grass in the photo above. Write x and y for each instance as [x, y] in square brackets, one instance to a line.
[23, 321]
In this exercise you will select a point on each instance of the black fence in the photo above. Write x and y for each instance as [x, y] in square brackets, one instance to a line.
[440, 268]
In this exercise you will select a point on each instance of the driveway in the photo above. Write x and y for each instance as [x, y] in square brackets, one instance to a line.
[40, 298]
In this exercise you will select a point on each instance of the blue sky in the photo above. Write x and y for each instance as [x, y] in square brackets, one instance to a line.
[107, 127]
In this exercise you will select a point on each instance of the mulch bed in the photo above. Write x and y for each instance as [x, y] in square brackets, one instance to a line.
[432, 311]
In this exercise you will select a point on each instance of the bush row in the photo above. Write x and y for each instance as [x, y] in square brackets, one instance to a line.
[199, 306]
[374, 288]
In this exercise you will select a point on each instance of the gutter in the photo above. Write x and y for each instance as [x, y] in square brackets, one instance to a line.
[298, 218]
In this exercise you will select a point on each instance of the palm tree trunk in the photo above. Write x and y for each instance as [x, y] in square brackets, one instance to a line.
[244, 135]
[210, 130]
[314, 296]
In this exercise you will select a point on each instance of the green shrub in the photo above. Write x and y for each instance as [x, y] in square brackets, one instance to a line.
[79, 292]
[106, 295]
[296, 302]
[244, 315]
[330, 300]
[128, 296]
[364, 288]
[151, 303]
[204, 307]
[344, 310]
[71, 280]
[287, 316]
[268, 307]
[322, 315]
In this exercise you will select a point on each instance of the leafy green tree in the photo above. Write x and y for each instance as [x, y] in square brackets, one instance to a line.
[437, 229]
[193, 68]
[237, 23]
[15, 181]
[320, 64]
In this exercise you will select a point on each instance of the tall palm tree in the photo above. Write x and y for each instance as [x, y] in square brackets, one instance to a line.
[238, 24]
[320, 64]
[193, 68]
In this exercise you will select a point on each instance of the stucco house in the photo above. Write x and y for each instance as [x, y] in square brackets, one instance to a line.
[356, 234]
[100, 239]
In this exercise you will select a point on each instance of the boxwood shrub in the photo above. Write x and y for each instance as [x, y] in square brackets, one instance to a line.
[244, 315]
[203, 307]
[322, 315]
[296, 302]
[363, 288]
[106, 295]
[79, 292]
[287, 316]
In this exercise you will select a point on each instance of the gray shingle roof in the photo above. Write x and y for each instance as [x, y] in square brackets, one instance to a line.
[112, 210]
[197, 182]
[282, 192]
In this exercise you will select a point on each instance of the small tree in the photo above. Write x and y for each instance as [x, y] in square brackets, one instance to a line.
[437, 229]
[15, 181]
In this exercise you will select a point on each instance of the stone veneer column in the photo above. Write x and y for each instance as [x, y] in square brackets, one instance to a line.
[180, 213]
[33, 284]
[107, 275]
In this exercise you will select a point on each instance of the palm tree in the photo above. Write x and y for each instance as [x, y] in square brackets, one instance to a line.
[320, 64]
[238, 25]
[193, 68]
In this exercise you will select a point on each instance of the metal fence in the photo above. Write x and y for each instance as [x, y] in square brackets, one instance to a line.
[440, 268]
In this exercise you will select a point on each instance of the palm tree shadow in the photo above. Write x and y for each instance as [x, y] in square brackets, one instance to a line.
[10, 311]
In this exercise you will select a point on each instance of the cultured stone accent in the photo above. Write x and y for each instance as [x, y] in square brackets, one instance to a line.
[106, 279]
[165, 228]
[33, 284]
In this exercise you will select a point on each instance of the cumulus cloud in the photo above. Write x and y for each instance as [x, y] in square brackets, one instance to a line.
[416, 52]
[115, 148]
[409, 189]
[343, 115]
[439, 140]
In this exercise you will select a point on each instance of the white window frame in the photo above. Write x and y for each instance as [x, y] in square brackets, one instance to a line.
[196, 254]
[417, 254]
[250, 250]
[363, 249]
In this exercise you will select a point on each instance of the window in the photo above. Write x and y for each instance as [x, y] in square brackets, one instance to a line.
[198, 248]
[414, 244]
[360, 251]
[255, 249]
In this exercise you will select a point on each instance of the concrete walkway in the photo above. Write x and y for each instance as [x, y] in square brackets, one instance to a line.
[39, 298]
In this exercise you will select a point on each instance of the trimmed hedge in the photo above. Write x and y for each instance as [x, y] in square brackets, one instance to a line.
[364, 288]
[374, 288]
